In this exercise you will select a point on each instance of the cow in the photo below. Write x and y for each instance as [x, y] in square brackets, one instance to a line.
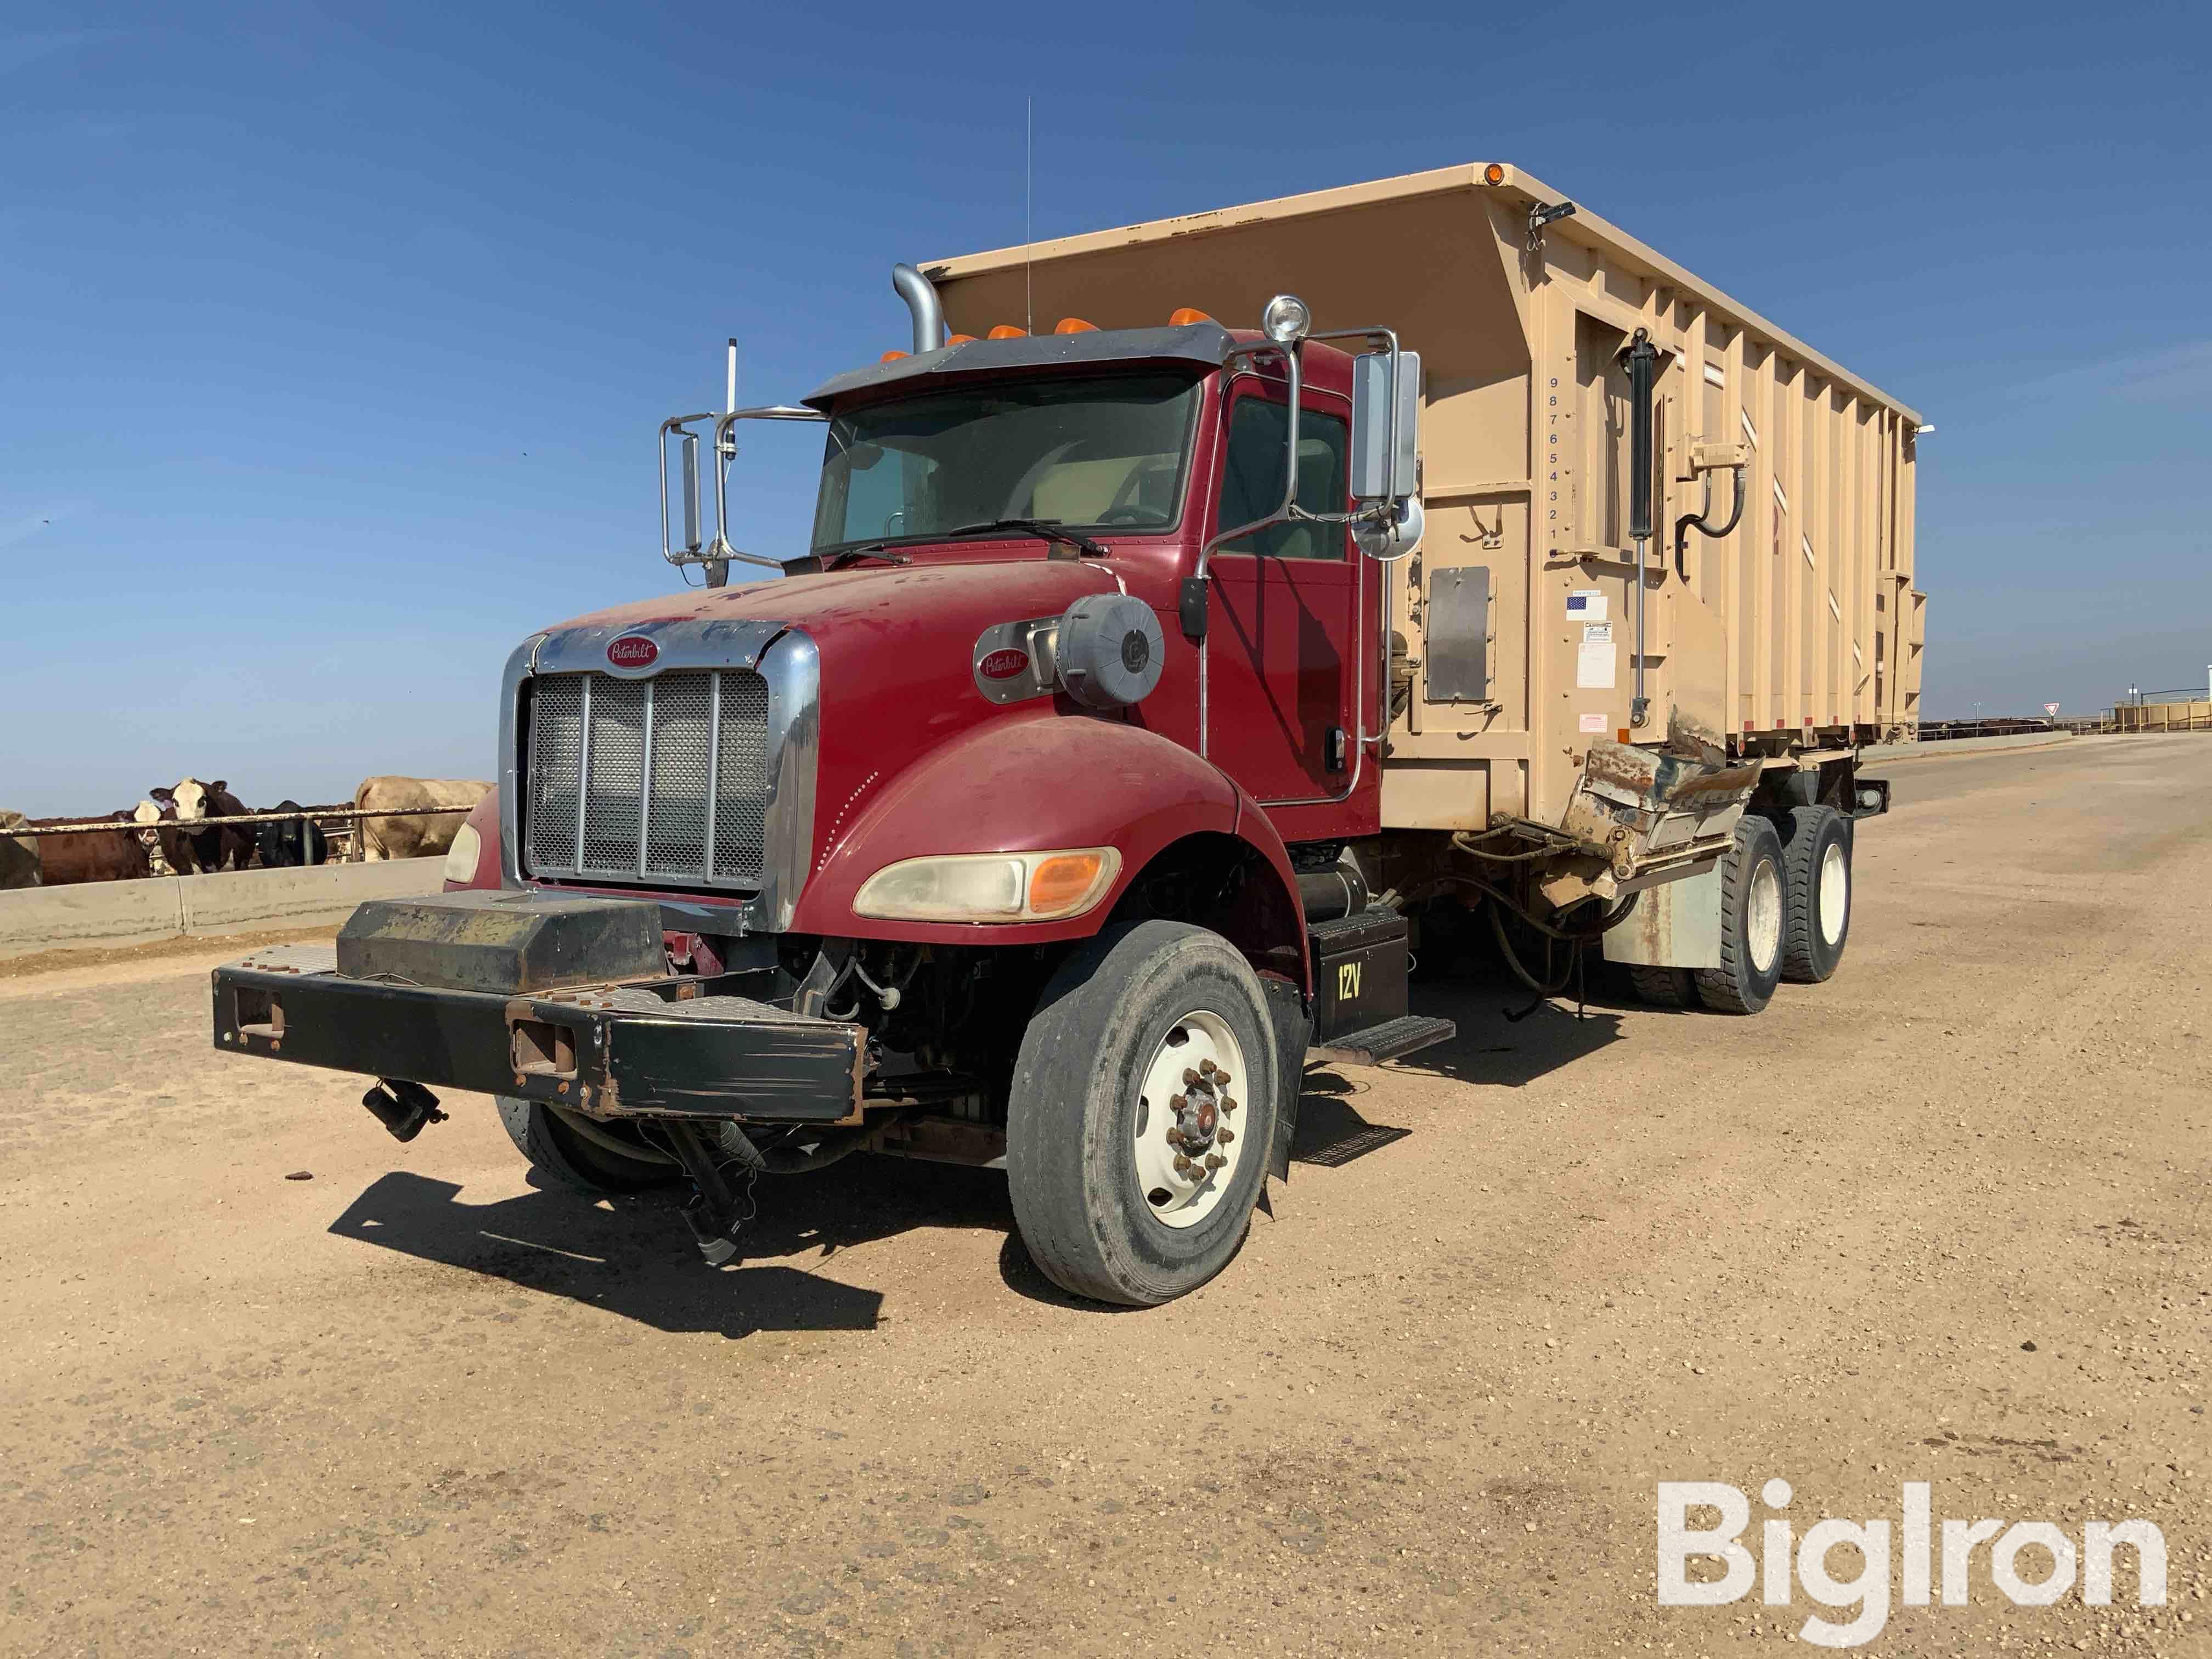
[19, 854]
[419, 835]
[99, 855]
[168, 851]
[288, 845]
[219, 844]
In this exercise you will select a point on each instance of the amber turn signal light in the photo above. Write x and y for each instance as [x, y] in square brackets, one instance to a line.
[1008, 332]
[1494, 174]
[1075, 325]
[1186, 315]
[1058, 885]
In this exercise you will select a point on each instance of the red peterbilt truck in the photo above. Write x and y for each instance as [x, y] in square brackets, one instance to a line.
[1150, 686]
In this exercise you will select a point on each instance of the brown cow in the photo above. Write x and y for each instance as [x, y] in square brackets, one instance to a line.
[419, 835]
[19, 854]
[99, 856]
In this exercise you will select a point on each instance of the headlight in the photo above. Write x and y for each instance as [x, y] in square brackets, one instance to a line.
[990, 887]
[461, 858]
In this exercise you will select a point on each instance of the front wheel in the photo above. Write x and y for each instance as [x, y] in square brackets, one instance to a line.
[1142, 1112]
[571, 1151]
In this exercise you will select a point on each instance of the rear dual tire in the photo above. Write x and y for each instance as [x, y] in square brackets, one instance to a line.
[1816, 860]
[1754, 906]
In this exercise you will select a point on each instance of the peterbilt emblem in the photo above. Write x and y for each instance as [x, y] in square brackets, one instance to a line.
[633, 651]
[1002, 665]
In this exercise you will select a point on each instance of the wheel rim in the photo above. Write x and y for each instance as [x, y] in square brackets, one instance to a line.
[1763, 916]
[1188, 1114]
[1835, 892]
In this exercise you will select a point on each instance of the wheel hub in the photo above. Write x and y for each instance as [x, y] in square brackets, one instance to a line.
[1187, 1145]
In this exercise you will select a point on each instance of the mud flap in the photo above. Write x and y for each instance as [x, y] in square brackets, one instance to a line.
[1293, 1024]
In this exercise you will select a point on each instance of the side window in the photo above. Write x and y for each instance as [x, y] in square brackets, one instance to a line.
[1252, 478]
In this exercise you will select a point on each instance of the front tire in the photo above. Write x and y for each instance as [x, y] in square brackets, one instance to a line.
[1102, 1082]
[1816, 862]
[567, 1153]
[1753, 905]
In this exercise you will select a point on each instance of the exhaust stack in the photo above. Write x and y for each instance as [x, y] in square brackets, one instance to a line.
[922, 300]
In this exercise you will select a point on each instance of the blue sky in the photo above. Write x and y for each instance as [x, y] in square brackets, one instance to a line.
[335, 337]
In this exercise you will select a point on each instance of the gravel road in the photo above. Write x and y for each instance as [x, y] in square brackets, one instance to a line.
[1942, 1219]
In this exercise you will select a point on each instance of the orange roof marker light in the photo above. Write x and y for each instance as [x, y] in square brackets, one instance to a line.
[1008, 332]
[1494, 174]
[960, 339]
[1074, 325]
[892, 357]
[1185, 315]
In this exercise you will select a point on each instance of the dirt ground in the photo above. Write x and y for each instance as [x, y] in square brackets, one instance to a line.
[1941, 1219]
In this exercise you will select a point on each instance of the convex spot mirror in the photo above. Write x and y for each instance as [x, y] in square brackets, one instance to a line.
[1391, 540]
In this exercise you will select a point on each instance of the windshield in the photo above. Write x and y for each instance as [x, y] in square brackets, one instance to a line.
[1088, 454]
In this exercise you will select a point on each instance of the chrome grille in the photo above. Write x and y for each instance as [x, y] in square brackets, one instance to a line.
[636, 779]
[741, 779]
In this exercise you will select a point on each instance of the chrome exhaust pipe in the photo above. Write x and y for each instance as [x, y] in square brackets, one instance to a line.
[922, 300]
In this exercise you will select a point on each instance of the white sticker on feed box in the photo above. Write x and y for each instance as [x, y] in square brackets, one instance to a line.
[1594, 722]
[1597, 633]
[1594, 667]
[1587, 604]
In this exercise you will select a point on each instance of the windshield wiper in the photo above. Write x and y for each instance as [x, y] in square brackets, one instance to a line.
[1047, 529]
[883, 553]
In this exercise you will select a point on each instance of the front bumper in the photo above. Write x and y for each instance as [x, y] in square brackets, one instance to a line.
[606, 1051]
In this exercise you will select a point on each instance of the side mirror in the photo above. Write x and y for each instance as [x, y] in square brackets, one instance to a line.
[1380, 470]
[1386, 467]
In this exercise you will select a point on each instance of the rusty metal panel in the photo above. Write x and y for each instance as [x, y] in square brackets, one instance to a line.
[1674, 925]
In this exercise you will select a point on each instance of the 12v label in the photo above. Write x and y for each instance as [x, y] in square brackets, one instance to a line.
[1347, 981]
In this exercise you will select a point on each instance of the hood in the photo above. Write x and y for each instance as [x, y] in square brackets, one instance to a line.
[886, 604]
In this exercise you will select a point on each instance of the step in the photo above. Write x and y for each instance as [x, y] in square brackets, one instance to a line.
[1378, 1043]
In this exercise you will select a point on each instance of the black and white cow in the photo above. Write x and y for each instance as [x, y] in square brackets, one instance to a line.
[217, 846]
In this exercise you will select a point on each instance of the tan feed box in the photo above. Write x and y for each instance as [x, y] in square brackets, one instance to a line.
[1800, 630]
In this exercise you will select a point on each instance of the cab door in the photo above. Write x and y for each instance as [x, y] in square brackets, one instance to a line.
[1281, 631]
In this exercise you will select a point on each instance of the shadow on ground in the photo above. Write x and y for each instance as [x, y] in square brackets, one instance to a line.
[633, 1257]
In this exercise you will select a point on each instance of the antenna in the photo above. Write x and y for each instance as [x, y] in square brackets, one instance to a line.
[729, 396]
[1029, 197]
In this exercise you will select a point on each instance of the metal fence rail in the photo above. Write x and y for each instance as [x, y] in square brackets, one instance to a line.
[319, 815]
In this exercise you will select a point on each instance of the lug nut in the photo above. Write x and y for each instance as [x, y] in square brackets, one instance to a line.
[1214, 1160]
[1222, 1080]
[1189, 1078]
[1225, 1134]
[1228, 1104]
[1207, 1067]
[1177, 1103]
[1174, 1137]
[1181, 1165]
